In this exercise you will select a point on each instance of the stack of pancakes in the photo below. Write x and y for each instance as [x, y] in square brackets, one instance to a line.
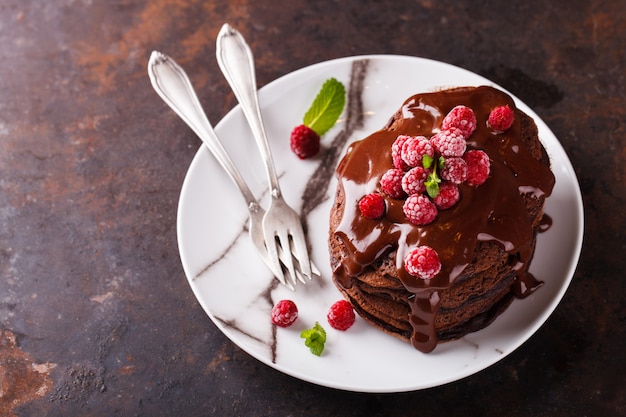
[485, 243]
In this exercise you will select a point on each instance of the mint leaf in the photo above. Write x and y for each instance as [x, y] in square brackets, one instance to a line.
[433, 180]
[427, 161]
[315, 338]
[432, 188]
[327, 107]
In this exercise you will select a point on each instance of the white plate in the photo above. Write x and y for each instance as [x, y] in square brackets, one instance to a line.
[237, 291]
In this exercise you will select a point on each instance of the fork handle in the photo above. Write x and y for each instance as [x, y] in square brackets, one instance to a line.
[172, 84]
[236, 62]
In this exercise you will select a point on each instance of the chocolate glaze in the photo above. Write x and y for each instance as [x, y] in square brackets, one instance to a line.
[493, 211]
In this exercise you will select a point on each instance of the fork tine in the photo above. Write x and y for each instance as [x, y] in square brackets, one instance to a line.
[285, 245]
[300, 252]
[314, 270]
[272, 255]
[300, 274]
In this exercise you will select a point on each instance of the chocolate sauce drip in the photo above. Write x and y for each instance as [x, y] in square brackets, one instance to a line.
[494, 211]
[545, 224]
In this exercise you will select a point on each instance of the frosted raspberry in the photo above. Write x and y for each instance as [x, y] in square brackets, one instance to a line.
[422, 262]
[284, 313]
[413, 181]
[396, 152]
[372, 206]
[414, 149]
[391, 183]
[448, 196]
[341, 315]
[419, 210]
[477, 167]
[454, 169]
[462, 118]
[449, 142]
[501, 118]
[305, 142]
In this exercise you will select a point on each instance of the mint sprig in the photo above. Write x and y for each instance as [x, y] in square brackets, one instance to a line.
[315, 338]
[432, 181]
[327, 107]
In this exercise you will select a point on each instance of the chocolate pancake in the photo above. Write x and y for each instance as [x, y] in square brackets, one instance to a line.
[485, 242]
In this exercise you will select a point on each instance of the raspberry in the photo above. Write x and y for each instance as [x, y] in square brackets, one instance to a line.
[305, 142]
[501, 118]
[419, 210]
[448, 196]
[477, 167]
[396, 152]
[284, 313]
[414, 149]
[341, 315]
[422, 262]
[372, 206]
[449, 142]
[462, 118]
[413, 181]
[454, 169]
[391, 183]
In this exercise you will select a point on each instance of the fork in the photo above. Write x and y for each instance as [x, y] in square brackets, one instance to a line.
[172, 84]
[282, 226]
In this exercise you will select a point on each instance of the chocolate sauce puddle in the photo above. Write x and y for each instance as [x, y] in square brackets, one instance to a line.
[494, 211]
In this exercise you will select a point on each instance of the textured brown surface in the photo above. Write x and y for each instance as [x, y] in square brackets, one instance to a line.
[92, 292]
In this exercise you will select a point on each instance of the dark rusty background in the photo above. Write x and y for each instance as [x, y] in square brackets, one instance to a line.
[96, 316]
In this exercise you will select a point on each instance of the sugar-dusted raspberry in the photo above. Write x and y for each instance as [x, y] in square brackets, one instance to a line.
[396, 152]
[372, 206]
[454, 170]
[341, 315]
[422, 262]
[284, 313]
[478, 166]
[413, 181]
[391, 183]
[448, 196]
[450, 142]
[305, 142]
[414, 149]
[419, 210]
[501, 118]
[462, 118]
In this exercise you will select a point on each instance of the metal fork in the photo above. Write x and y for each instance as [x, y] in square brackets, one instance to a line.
[282, 226]
[172, 84]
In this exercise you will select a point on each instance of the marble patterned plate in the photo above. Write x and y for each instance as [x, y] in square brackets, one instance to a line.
[237, 291]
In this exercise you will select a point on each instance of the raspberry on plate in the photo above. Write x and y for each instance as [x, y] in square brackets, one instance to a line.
[501, 118]
[414, 149]
[284, 313]
[341, 315]
[413, 182]
[419, 210]
[396, 152]
[448, 196]
[462, 118]
[391, 183]
[478, 166]
[454, 170]
[422, 262]
[449, 142]
[305, 142]
[372, 206]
